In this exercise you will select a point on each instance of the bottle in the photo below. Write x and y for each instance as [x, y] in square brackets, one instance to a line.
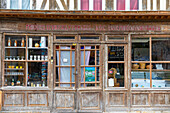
[12, 82]
[15, 43]
[22, 42]
[9, 42]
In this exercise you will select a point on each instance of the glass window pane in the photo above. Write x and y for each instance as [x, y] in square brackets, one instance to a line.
[161, 75]
[89, 38]
[65, 58]
[140, 49]
[14, 73]
[161, 49]
[37, 74]
[25, 4]
[97, 5]
[140, 79]
[116, 53]
[65, 38]
[120, 4]
[14, 4]
[97, 55]
[84, 4]
[73, 58]
[133, 4]
[116, 74]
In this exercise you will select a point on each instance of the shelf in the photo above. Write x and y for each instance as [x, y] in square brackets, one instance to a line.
[14, 60]
[140, 70]
[12, 75]
[161, 70]
[13, 69]
[37, 47]
[15, 47]
[37, 60]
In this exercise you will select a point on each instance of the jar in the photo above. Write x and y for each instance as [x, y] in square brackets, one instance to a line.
[35, 57]
[31, 57]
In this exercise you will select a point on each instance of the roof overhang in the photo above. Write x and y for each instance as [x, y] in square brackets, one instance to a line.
[96, 15]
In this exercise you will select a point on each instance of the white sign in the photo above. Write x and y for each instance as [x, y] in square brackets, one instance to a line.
[111, 82]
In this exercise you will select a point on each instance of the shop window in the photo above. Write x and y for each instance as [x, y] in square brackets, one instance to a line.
[133, 4]
[90, 66]
[116, 66]
[26, 60]
[120, 4]
[65, 66]
[84, 4]
[150, 62]
[97, 5]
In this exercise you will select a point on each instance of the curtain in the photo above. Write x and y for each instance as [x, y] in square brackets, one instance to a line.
[65, 71]
[133, 4]
[97, 5]
[14, 4]
[120, 4]
[25, 4]
[87, 59]
[84, 4]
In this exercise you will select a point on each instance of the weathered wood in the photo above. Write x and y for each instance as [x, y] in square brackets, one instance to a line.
[64, 4]
[34, 4]
[75, 5]
[0, 100]
[56, 5]
[43, 4]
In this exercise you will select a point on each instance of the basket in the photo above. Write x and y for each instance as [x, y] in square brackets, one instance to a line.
[142, 65]
[135, 66]
[148, 66]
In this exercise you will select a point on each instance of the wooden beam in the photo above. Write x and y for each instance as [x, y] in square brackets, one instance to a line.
[34, 4]
[68, 4]
[75, 5]
[56, 5]
[64, 4]
[43, 4]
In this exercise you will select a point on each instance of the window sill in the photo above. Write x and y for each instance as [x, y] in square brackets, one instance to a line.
[151, 89]
[24, 88]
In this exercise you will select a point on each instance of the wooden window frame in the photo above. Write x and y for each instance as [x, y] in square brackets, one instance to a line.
[65, 40]
[96, 66]
[90, 40]
[125, 62]
[150, 58]
[26, 61]
[69, 66]
[116, 36]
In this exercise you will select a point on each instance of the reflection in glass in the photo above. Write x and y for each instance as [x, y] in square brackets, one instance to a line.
[115, 53]
[116, 74]
[140, 79]
[161, 75]
[140, 49]
[161, 49]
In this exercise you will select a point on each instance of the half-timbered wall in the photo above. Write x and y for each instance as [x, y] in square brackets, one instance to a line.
[104, 5]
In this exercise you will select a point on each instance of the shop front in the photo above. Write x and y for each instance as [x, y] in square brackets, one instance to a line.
[84, 65]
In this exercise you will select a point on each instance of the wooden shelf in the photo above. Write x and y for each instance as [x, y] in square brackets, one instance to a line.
[140, 70]
[15, 47]
[14, 60]
[37, 47]
[12, 75]
[37, 60]
[13, 69]
[161, 70]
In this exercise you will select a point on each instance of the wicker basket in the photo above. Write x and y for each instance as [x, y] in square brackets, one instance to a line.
[142, 65]
[148, 66]
[135, 66]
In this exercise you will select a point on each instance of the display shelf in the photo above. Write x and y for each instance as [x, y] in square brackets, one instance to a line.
[37, 47]
[37, 60]
[15, 47]
[13, 75]
[161, 70]
[14, 60]
[13, 69]
[140, 69]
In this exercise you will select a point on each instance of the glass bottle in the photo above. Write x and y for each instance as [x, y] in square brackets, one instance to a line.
[15, 43]
[22, 42]
[12, 82]
[9, 42]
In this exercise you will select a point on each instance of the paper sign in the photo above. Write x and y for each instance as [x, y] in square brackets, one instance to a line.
[65, 60]
[111, 82]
